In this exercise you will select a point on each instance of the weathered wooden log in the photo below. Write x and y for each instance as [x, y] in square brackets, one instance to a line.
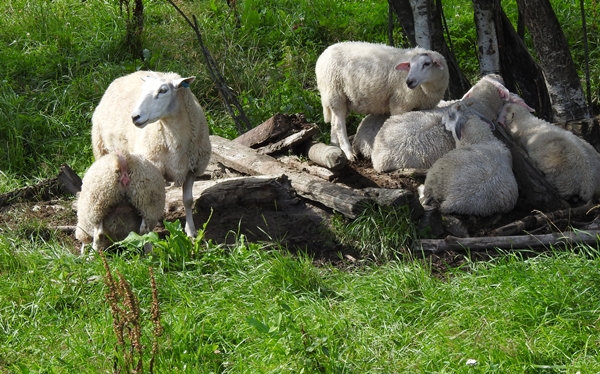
[348, 202]
[273, 128]
[69, 178]
[328, 156]
[451, 243]
[246, 191]
[319, 171]
[534, 221]
[290, 141]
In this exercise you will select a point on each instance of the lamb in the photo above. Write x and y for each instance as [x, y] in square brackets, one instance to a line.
[156, 115]
[120, 193]
[411, 140]
[416, 139]
[370, 79]
[476, 177]
[362, 143]
[569, 163]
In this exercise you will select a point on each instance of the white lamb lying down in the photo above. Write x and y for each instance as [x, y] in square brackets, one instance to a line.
[156, 115]
[376, 79]
[475, 178]
[411, 140]
[120, 193]
[362, 143]
[569, 163]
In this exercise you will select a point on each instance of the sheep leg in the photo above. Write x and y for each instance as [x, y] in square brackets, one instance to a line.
[338, 131]
[188, 201]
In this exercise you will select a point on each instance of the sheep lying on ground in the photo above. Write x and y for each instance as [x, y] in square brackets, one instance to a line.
[157, 116]
[362, 144]
[569, 163]
[476, 177]
[120, 193]
[487, 97]
[376, 79]
[417, 139]
[411, 140]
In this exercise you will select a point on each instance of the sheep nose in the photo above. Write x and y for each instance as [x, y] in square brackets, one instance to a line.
[411, 83]
[137, 120]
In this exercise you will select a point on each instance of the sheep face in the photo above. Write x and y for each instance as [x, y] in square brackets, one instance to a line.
[421, 68]
[157, 99]
[454, 119]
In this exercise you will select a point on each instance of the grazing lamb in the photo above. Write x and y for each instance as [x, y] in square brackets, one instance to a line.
[569, 163]
[411, 140]
[157, 116]
[475, 178]
[120, 193]
[376, 79]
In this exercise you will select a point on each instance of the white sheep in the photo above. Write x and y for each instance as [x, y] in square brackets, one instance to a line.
[569, 163]
[475, 178]
[362, 143]
[411, 140]
[487, 97]
[120, 193]
[372, 78]
[157, 116]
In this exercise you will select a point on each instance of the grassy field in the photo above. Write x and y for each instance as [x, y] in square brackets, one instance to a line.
[248, 307]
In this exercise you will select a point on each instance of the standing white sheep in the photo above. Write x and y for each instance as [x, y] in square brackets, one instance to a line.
[157, 116]
[376, 79]
[475, 178]
[569, 163]
[120, 193]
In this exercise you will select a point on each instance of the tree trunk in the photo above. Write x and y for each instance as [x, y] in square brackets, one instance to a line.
[487, 41]
[564, 86]
[430, 22]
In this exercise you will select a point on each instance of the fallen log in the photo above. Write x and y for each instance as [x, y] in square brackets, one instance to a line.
[452, 243]
[273, 128]
[347, 201]
[290, 141]
[319, 171]
[534, 221]
[245, 191]
[328, 156]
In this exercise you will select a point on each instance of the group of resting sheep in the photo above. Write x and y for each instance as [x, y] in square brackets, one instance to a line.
[149, 127]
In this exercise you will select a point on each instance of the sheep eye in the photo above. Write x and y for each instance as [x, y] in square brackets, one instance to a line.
[426, 64]
[163, 89]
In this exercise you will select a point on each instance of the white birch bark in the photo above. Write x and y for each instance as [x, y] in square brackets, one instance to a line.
[421, 19]
[487, 39]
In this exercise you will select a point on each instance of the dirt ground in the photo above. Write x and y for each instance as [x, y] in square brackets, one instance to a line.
[295, 222]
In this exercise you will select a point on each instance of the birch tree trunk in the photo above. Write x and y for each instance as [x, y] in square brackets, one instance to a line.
[427, 18]
[487, 41]
[550, 43]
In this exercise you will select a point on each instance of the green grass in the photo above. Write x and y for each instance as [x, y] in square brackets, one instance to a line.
[244, 309]
[249, 308]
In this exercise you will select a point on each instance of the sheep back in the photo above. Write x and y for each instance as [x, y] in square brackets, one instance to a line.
[411, 140]
[569, 163]
[104, 199]
[178, 144]
[362, 77]
[362, 143]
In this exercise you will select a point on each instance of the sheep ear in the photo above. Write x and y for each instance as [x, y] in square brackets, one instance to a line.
[438, 63]
[515, 99]
[458, 129]
[403, 66]
[183, 82]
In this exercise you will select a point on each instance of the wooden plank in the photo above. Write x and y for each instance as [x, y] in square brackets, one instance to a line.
[347, 201]
[290, 141]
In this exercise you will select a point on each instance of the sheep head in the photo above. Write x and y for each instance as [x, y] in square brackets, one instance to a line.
[158, 99]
